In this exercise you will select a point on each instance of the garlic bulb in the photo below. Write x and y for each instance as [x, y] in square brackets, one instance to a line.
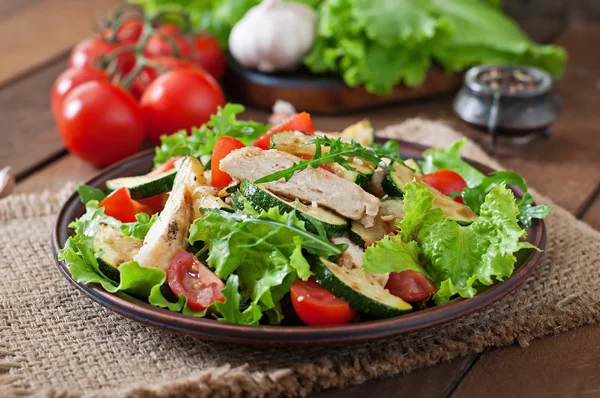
[274, 35]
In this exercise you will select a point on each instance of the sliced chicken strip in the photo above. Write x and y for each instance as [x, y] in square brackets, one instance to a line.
[309, 185]
[353, 258]
[168, 235]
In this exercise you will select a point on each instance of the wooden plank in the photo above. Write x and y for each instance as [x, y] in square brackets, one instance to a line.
[566, 365]
[28, 131]
[592, 215]
[35, 32]
[57, 175]
[435, 381]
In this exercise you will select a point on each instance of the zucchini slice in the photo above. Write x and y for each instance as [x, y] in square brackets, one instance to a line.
[294, 142]
[141, 187]
[411, 163]
[360, 289]
[395, 180]
[263, 200]
[117, 248]
[361, 132]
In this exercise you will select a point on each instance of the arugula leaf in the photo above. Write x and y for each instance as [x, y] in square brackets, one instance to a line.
[230, 309]
[263, 249]
[140, 228]
[527, 211]
[392, 254]
[88, 193]
[202, 139]
[460, 259]
[337, 152]
[449, 158]
[390, 150]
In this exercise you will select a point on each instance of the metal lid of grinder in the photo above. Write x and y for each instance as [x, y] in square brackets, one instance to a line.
[508, 100]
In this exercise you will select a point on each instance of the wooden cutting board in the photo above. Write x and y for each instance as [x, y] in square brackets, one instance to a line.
[324, 94]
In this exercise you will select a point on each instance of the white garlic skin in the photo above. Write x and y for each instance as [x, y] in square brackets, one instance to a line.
[274, 35]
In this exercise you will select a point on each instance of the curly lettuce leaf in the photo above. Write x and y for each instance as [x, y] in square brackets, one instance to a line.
[140, 228]
[392, 254]
[483, 34]
[458, 258]
[263, 249]
[527, 212]
[449, 158]
[230, 309]
[202, 139]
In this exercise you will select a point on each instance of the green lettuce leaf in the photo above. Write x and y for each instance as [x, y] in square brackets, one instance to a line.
[88, 193]
[263, 249]
[449, 158]
[230, 309]
[483, 34]
[527, 211]
[392, 254]
[460, 259]
[140, 228]
[202, 139]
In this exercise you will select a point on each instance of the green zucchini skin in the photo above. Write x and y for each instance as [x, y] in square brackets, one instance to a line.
[261, 200]
[142, 187]
[108, 270]
[391, 187]
[332, 279]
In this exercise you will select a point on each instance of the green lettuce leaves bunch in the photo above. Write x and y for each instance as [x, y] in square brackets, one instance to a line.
[459, 259]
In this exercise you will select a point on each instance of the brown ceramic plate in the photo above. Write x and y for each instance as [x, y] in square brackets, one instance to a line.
[209, 329]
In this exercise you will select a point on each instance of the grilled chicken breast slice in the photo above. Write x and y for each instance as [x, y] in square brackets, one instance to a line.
[168, 235]
[353, 258]
[309, 185]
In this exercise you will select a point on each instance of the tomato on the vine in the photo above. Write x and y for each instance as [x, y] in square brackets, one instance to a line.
[200, 286]
[447, 182]
[316, 306]
[164, 39]
[208, 54]
[70, 79]
[100, 123]
[128, 32]
[156, 66]
[179, 100]
[91, 51]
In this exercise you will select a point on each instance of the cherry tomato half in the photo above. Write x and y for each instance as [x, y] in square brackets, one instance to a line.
[89, 52]
[316, 306]
[446, 181]
[298, 122]
[188, 276]
[119, 205]
[223, 146]
[100, 123]
[179, 100]
[410, 286]
[70, 79]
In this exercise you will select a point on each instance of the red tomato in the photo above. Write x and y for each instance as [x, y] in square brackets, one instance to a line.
[166, 166]
[160, 43]
[154, 204]
[90, 52]
[100, 123]
[179, 99]
[316, 306]
[298, 122]
[70, 79]
[410, 286]
[188, 276]
[150, 73]
[446, 181]
[128, 33]
[120, 206]
[222, 148]
[208, 54]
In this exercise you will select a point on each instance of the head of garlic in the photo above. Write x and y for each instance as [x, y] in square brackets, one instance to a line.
[274, 35]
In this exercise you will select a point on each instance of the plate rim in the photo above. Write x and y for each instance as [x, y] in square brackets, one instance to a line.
[209, 329]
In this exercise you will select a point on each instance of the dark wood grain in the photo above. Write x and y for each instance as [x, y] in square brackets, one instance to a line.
[592, 215]
[567, 365]
[35, 32]
[57, 175]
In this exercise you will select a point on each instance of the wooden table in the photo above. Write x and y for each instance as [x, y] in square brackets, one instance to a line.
[566, 168]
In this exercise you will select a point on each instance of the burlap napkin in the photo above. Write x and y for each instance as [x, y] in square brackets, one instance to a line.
[54, 341]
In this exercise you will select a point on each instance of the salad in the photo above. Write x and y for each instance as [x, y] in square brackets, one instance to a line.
[254, 224]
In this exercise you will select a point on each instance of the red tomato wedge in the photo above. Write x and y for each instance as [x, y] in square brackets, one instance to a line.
[410, 286]
[120, 206]
[316, 306]
[223, 147]
[166, 166]
[200, 286]
[446, 181]
[298, 122]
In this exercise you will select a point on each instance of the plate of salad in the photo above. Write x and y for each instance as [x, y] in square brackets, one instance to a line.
[255, 234]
